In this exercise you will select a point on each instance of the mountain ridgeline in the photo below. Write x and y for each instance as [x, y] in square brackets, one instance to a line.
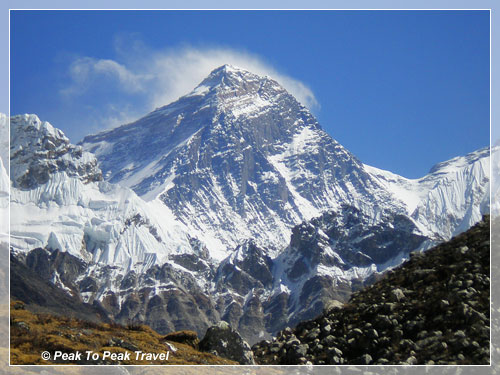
[231, 204]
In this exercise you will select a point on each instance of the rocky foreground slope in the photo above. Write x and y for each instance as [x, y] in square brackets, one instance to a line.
[434, 309]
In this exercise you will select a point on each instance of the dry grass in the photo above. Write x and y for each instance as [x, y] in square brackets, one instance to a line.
[31, 334]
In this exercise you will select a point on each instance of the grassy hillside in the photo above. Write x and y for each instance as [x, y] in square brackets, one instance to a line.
[32, 334]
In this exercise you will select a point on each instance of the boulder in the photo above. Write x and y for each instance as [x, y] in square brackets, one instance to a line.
[225, 342]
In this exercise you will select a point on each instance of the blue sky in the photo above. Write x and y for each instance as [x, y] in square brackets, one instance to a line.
[402, 90]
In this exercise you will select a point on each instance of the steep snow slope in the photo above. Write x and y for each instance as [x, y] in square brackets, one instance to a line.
[450, 199]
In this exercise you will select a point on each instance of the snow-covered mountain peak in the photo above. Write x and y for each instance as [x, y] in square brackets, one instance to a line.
[237, 91]
[240, 158]
[448, 200]
[230, 76]
[227, 69]
[36, 127]
[237, 158]
[39, 150]
[460, 161]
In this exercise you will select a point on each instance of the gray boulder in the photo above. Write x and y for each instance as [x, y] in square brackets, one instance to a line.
[225, 342]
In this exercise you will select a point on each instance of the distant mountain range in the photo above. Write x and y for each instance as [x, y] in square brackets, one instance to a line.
[230, 203]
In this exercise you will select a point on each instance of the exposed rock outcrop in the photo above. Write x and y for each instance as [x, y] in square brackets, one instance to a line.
[222, 341]
[433, 309]
[43, 150]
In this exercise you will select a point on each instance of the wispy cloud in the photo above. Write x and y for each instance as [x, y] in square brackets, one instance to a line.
[87, 73]
[156, 78]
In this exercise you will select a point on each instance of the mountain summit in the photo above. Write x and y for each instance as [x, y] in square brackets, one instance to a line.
[237, 158]
[227, 76]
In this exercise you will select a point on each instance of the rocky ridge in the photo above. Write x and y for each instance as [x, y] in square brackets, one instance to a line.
[433, 309]
[43, 295]
[40, 150]
[327, 259]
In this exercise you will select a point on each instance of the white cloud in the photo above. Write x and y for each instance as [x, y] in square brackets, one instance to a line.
[130, 81]
[86, 72]
[160, 77]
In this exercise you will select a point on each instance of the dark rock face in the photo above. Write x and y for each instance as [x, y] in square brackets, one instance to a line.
[57, 267]
[434, 309]
[340, 241]
[41, 295]
[181, 306]
[223, 341]
[356, 239]
[249, 267]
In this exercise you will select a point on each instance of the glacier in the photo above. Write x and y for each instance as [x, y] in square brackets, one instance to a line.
[71, 209]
